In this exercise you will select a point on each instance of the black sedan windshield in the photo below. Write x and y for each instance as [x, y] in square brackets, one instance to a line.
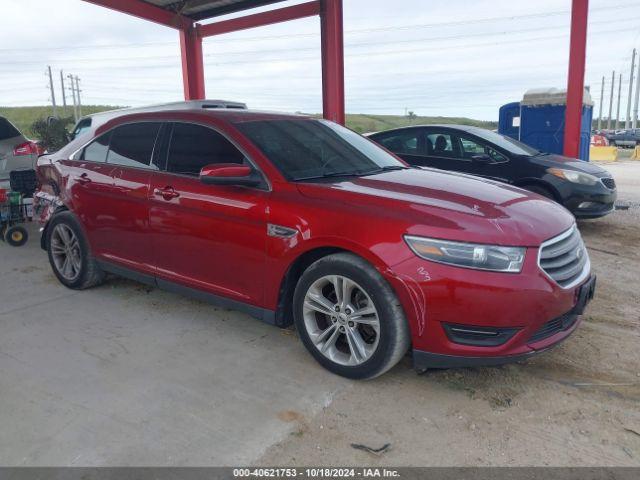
[305, 149]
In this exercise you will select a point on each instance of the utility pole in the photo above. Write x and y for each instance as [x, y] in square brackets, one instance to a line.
[627, 123]
[64, 94]
[601, 98]
[635, 103]
[53, 95]
[73, 95]
[619, 95]
[78, 95]
[613, 81]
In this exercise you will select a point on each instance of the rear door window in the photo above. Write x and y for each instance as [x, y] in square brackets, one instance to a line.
[132, 145]
[7, 130]
[81, 127]
[402, 142]
[195, 146]
[97, 150]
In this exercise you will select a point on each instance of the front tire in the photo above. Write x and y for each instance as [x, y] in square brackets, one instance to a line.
[349, 318]
[69, 253]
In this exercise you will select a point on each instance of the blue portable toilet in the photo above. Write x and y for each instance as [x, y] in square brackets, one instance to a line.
[509, 120]
[541, 120]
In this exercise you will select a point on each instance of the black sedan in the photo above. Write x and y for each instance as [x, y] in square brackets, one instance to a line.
[585, 189]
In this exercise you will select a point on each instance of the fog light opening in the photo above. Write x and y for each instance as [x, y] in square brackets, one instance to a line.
[584, 205]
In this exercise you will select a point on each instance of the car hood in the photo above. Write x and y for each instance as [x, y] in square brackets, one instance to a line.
[448, 206]
[559, 161]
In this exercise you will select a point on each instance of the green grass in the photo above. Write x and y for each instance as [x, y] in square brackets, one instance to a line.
[23, 117]
[364, 123]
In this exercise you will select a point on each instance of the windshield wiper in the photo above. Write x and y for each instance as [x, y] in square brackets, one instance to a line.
[387, 168]
[328, 175]
[354, 173]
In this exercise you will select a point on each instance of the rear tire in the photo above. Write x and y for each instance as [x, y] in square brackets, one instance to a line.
[359, 337]
[69, 253]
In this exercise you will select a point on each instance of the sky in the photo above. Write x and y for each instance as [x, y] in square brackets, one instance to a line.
[432, 57]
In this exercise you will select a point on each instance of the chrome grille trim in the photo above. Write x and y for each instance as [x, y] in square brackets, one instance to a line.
[558, 258]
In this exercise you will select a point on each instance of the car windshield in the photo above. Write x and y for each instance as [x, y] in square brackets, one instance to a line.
[7, 130]
[304, 149]
[509, 144]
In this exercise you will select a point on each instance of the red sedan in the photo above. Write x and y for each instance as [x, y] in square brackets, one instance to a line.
[298, 220]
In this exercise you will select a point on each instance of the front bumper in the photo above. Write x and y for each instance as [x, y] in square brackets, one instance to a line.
[435, 296]
[557, 329]
[585, 201]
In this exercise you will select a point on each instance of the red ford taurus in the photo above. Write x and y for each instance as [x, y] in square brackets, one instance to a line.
[298, 220]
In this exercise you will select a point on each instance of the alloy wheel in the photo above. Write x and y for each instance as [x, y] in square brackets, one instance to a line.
[341, 320]
[65, 251]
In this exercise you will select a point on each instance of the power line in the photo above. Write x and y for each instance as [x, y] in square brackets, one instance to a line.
[356, 31]
[347, 46]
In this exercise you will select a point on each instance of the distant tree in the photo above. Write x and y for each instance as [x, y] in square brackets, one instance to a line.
[52, 132]
[411, 115]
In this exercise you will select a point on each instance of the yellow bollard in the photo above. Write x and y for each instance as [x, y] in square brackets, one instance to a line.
[603, 154]
[636, 154]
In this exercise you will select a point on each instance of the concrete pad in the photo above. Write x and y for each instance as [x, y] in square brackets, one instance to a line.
[127, 375]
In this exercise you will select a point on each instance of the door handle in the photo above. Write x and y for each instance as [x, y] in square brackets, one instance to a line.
[167, 193]
[83, 179]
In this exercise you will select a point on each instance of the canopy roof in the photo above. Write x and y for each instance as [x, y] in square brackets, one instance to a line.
[203, 9]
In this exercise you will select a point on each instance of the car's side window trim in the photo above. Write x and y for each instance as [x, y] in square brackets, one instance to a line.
[267, 183]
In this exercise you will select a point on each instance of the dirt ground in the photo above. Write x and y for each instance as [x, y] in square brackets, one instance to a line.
[126, 375]
[577, 405]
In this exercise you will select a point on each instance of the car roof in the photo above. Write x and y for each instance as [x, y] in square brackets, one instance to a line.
[228, 115]
[453, 126]
[161, 107]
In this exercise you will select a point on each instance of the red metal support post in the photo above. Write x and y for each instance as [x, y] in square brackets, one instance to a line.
[331, 26]
[575, 82]
[192, 63]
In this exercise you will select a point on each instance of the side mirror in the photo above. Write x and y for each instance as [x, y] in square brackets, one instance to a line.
[482, 158]
[230, 174]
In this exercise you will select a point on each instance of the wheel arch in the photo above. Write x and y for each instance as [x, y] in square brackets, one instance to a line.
[524, 183]
[45, 228]
[284, 308]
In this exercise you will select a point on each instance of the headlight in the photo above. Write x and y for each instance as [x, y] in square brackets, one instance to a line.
[573, 176]
[468, 255]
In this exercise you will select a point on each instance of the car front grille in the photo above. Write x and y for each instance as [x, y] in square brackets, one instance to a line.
[565, 259]
[610, 183]
[554, 326]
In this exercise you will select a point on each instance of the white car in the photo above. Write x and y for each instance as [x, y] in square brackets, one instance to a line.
[16, 151]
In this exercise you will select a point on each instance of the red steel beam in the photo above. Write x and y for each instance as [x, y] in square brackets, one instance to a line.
[331, 26]
[575, 82]
[146, 11]
[270, 17]
[192, 64]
